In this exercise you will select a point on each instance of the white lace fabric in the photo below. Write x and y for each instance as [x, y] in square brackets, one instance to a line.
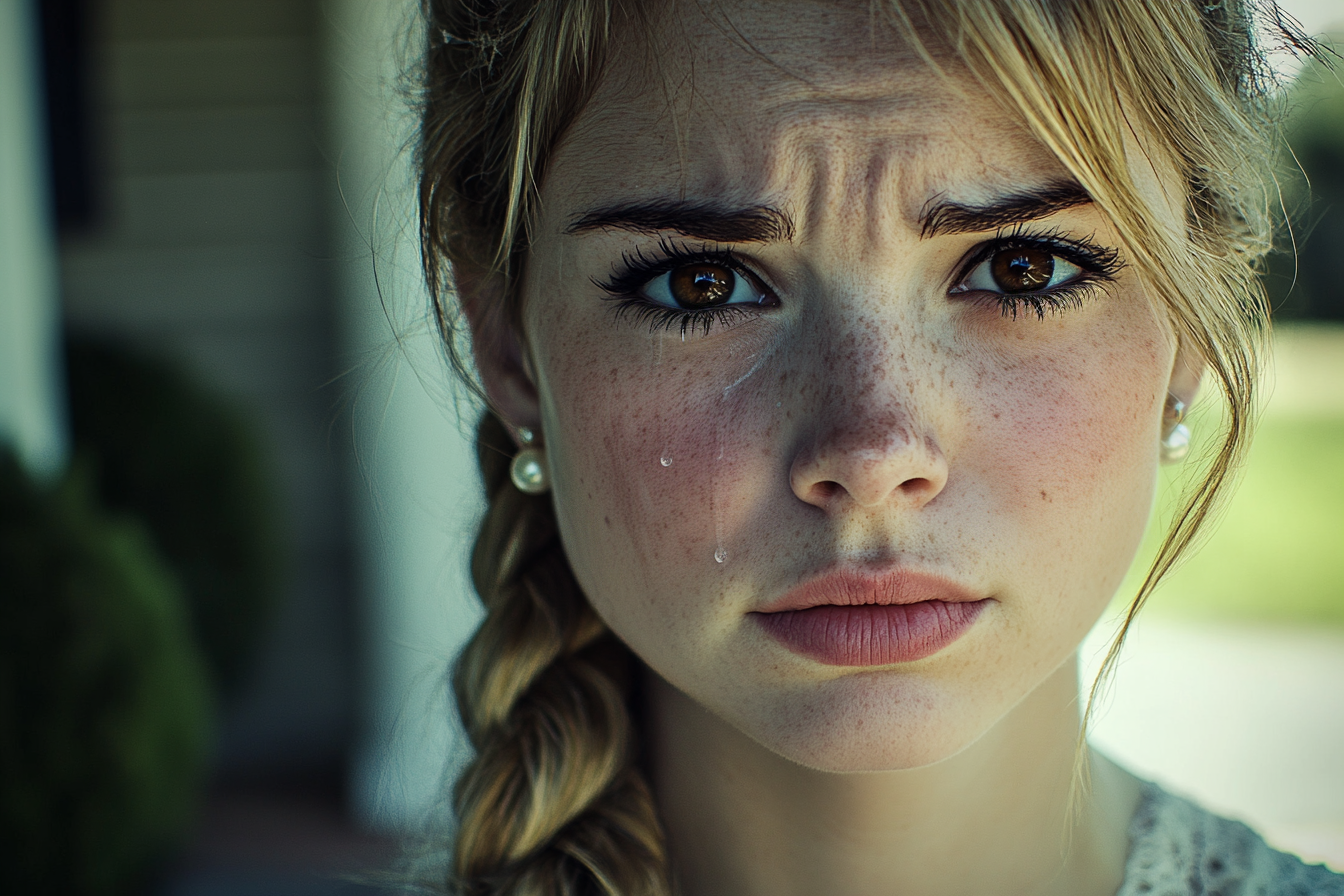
[1179, 849]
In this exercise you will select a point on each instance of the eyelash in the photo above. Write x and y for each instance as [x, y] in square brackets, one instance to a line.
[623, 286]
[635, 269]
[1098, 265]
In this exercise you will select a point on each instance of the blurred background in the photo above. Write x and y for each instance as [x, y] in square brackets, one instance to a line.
[247, 503]
[232, 465]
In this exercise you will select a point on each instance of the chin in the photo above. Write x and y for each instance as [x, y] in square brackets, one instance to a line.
[864, 724]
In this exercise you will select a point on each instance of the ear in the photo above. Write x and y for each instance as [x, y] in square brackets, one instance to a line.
[501, 354]
[1186, 372]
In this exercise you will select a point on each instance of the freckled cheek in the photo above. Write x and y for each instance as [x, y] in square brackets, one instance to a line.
[650, 463]
[1073, 445]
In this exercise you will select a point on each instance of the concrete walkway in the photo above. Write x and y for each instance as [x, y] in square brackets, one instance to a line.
[1248, 721]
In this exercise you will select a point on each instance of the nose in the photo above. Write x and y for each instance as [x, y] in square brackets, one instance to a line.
[852, 466]
[869, 447]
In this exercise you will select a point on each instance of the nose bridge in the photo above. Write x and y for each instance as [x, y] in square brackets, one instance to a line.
[870, 402]
[870, 437]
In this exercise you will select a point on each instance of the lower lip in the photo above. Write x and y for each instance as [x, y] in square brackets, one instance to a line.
[872, 635]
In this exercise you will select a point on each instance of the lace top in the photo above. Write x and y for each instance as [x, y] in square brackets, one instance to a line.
[1178, 849]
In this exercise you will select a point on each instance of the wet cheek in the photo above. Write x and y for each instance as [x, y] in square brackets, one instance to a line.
[653, 465]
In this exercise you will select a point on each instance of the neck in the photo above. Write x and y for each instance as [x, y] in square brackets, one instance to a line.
[995, 818]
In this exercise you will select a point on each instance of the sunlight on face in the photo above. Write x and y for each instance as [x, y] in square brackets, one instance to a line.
[812, 326]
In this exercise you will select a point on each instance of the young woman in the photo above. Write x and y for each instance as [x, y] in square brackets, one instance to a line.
[831, 349]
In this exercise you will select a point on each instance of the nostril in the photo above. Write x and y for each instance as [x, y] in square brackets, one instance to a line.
[917, 486]
[920, 489]
[840, 471]
[825, 492]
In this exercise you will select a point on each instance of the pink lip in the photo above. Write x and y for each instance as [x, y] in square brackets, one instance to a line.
[849, 618]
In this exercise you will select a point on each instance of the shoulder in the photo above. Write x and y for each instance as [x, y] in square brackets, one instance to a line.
[1179, 849]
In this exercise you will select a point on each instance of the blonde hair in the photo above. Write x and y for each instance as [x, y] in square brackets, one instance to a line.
[554, 802]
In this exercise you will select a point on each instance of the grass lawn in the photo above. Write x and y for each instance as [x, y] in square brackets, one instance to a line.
[1277, 552]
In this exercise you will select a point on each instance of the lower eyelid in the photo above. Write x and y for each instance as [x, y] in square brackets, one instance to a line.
[1058, 301]
[670, 319]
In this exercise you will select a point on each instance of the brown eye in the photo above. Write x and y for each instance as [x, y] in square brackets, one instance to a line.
[1023, 269]
[701, 285]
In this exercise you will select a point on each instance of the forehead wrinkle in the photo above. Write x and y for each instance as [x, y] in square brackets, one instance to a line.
[885, 137]
[878, 184]
[874, 179]
[664, 82]
[882, 170]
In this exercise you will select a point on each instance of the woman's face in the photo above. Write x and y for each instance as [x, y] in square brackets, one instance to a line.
[809, 327]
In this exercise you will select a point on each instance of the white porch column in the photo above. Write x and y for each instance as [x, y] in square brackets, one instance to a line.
[32, 403]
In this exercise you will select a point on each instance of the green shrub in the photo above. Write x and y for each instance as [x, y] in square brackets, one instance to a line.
[1274, 556]
[104, 701]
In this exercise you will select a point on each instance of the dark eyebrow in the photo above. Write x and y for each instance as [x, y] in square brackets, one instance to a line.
[697, 220]
[941, 217]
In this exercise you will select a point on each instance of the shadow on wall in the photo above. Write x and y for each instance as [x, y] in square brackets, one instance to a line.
[179, 457]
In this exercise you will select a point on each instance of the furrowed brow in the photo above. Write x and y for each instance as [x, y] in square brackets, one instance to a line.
[939, 217]
[696, 220]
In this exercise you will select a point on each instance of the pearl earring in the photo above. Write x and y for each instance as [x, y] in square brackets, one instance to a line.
[528, 470]
[1176, 443]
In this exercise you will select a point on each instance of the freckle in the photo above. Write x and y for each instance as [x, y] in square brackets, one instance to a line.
[1045, 497]
[996, 415]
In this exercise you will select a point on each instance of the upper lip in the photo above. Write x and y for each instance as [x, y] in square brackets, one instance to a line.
[853, 588]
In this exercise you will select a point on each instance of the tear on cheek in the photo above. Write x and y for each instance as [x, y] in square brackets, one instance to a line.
[673, 461]
[703, 486]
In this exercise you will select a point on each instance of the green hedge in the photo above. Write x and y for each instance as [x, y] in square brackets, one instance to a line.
[104, 700]
[1277, 554]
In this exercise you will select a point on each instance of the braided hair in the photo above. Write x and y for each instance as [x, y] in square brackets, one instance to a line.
[553, 802]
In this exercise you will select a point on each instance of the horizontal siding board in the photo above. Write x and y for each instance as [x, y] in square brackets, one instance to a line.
[130, 289]
[284, 363]
[305, 468]
[203, 73]
[167, 141]
[279, 208]
[178, 19]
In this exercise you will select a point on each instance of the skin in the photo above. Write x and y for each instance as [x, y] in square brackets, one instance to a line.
[874, 419]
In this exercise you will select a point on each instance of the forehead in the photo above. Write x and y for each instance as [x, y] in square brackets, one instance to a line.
[791, 104]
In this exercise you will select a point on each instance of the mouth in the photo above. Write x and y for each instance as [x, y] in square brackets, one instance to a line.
[854, 619]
